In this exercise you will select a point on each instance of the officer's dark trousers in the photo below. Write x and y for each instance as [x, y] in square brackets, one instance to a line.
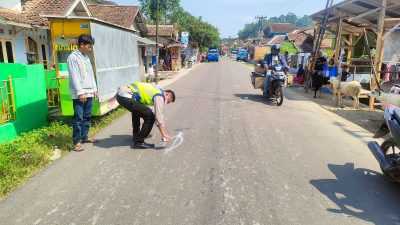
[138, 111]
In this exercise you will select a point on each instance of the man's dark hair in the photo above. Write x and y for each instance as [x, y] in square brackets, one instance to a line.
[172, 94]
[85, 39]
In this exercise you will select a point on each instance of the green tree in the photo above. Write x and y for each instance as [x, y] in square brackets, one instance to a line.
[251, 30]
[202, 33]
[165, 9]
[304, 21]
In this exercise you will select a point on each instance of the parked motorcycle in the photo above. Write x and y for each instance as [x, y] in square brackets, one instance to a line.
[388, 153]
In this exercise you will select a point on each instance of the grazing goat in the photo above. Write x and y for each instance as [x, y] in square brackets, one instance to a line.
[352, 89]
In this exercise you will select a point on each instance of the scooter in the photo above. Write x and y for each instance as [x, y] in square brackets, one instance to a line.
[388, 153]
[277, 82]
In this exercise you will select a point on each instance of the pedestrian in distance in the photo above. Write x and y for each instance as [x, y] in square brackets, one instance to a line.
[138, 98]
[83, 90]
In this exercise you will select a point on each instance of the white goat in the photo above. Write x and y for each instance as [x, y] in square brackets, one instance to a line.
[352, 89]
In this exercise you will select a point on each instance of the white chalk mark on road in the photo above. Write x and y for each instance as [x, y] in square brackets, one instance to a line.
[177, 141]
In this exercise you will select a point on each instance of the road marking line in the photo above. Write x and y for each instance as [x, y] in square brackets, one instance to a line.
[178, 140]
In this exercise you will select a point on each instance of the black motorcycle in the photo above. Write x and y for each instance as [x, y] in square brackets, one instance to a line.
[278, 80]
[277, 83]
[388, 153]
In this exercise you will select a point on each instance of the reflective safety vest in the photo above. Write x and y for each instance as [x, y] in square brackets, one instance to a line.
[145, 93]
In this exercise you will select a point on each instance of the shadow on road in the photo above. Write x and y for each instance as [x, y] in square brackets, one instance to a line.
[369, 120]
[254, 97]
[363, 135]
[361, 193]
[114, 141]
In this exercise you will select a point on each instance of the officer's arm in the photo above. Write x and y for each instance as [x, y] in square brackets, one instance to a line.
[159, 113]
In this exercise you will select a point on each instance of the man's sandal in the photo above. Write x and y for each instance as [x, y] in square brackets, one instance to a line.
[78, 148]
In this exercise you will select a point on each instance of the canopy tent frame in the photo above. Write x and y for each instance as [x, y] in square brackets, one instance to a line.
[355, 17]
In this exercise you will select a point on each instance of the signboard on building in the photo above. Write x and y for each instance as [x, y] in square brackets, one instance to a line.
[185, 39]
[63, 47]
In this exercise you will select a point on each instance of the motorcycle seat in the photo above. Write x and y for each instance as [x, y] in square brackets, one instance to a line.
[256, 74]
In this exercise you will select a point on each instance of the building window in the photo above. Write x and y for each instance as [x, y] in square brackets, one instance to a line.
[6, 51]
[44, 56]
[1, 53]
[10, 52]
[32, 54]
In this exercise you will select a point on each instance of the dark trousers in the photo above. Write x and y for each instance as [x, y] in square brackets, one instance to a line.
[138, 111]
[81, 121]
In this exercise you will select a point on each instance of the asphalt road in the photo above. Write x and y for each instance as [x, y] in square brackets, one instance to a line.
[241, 161]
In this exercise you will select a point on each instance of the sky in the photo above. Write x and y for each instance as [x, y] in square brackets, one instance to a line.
[229, 16]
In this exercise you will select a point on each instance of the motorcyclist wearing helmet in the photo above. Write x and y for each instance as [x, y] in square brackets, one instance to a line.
[273, 59]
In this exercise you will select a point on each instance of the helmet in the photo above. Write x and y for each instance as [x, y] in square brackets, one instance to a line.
[275, 49]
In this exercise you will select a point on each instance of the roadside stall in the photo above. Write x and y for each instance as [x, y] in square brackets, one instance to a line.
[175, 54]
[115, 58]
[362, 25]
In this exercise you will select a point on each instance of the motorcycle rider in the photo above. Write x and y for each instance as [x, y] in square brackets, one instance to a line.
[272, 59]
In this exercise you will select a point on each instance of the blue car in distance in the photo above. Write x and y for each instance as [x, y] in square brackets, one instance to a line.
[213, 55]
[243, 55]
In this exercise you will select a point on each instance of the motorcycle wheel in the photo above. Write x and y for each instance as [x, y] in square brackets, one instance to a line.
[279, 96]
[392, 154]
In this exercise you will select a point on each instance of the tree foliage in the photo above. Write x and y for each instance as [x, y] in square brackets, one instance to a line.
[165, 9]
[202, 33]
[251, 30]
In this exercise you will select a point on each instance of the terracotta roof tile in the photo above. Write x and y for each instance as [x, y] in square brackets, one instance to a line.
[163, 30]
[33, 9]
[12, 15]
[277, 40]
[116, 14]
[302, 40]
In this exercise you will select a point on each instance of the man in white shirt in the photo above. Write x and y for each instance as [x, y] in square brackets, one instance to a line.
[83, 89]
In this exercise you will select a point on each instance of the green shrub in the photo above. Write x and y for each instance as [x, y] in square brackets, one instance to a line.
[31, 151]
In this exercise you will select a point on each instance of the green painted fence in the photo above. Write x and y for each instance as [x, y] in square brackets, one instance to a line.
[29, 85]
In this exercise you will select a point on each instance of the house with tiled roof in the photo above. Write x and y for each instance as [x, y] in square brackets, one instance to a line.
[24, 25]
[167, 34]
[125, 16]
[24, 31]
[170, 53]
[274, 29]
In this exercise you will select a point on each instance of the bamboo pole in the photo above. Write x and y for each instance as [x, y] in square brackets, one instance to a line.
[379, 51]
[350, 49]
[338, 41]
[11, 96]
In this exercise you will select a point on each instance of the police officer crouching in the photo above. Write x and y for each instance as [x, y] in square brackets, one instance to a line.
[138, 98]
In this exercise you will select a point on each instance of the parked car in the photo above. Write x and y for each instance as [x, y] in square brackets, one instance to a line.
[234, 53]
[243, 55]
[213, 55]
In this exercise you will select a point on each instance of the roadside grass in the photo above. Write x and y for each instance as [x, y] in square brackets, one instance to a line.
[31, 151]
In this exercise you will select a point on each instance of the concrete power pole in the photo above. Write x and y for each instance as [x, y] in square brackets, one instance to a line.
[157, 53]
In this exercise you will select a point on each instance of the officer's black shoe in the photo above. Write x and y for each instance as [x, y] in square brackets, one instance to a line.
[142, 145]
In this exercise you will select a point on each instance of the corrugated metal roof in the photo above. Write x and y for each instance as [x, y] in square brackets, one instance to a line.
[361, 13]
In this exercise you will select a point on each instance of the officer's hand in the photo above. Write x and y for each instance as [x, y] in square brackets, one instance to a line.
[167, 138]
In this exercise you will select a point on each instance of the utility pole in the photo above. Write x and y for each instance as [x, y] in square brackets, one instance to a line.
[260, 23]
[157, 52]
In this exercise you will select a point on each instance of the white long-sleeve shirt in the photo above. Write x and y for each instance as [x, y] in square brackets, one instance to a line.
[81, 75]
